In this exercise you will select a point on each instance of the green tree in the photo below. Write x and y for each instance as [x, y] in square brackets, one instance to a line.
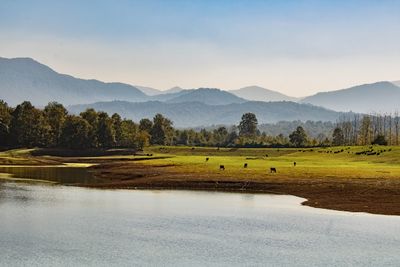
[298, 138]
[117, 126]
[142, 140]
[55, 115]
[75, 133]
[248, 125]
[183, 137]
[5, 120]
[92, 117]
[338, 137]
[232, 138]
[161, 132]
[4, 134]
[220, 136]
[145, 125]
[28, 126]
[5, 113]
[380, 140]
[129, 132]
[105, 132]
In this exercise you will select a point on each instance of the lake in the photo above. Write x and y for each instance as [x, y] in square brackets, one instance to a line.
[53, 225]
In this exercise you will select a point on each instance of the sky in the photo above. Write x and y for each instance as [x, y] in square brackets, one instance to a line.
[294, 47]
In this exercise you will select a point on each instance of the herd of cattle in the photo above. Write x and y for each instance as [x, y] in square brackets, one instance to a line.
[245, 165]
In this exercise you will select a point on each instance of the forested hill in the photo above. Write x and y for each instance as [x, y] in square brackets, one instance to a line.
[191, 114]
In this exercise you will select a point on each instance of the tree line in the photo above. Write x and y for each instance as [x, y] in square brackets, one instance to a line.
[53, 127]
[382, 129]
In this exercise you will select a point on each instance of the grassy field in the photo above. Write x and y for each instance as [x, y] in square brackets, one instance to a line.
[343, 178]
[310, 163]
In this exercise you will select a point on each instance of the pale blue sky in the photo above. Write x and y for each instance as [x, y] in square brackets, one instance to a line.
[295, 47]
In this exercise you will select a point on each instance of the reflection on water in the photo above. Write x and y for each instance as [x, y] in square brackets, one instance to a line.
[70, 226]
[59, 174]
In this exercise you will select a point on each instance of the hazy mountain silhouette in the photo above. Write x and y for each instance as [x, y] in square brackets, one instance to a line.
[257, 93]
[153, 91]
[208, 96]
[26, 79]
[397, 83]
[149, 90]
[375, 97]
[190, 114]
[175, 89]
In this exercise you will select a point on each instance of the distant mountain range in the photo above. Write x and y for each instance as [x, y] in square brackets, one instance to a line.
[210, 96]
[191, 114]
[26, 79]
[152, 91]
[256, 93]
[367, 98]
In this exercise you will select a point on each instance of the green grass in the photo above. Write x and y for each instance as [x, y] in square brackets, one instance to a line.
[311, 163]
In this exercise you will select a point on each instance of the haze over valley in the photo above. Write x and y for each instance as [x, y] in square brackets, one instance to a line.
[26, 79]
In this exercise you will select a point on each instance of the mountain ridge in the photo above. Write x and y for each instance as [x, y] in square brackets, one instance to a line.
[257, 93]
[210, 96]
[27, 78]
[366, 98]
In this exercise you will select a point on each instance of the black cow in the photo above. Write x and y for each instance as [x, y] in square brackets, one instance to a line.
[273, 170]
[245, 165]
[294, 163]
[221, 167]
[207, 159]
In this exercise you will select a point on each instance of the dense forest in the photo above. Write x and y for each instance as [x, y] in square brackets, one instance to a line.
[52, 127]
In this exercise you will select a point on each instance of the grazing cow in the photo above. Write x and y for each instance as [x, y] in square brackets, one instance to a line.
[266, 155]
[273, 170]
[207, 159]
[245, 165]
[294, 163]
[222, 167]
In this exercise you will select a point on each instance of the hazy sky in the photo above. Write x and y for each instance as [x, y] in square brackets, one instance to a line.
[295, 47]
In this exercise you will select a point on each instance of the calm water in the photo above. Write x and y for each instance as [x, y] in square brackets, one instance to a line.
[63, 175]
[70, 226]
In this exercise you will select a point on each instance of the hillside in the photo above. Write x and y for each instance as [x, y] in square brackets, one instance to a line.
[397, 83]
[375, 97]
[148, 90]
[192, 114]
[26, 79]
[207, 96]
[256, 93]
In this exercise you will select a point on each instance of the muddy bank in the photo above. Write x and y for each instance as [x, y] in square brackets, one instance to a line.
[378, 196]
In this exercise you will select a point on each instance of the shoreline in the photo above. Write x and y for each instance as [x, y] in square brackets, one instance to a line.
[350, 196]
[343, 182]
